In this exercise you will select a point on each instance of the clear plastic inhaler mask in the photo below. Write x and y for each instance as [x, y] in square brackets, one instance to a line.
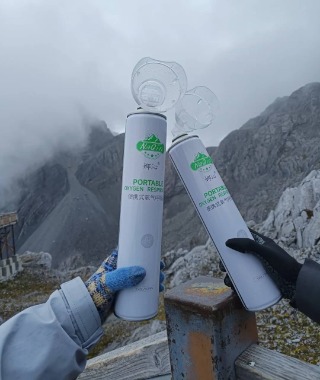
[158, 86]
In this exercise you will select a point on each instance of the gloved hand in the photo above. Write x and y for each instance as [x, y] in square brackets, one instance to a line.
[108, 280]
[280, 266]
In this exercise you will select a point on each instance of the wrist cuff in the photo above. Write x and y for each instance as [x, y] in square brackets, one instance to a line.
[83, 311]
[308, 289]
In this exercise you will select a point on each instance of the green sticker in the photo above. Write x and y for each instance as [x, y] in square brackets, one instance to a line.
[151, 147]
[202, 162]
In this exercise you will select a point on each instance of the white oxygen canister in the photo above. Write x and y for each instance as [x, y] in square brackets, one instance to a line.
[223, 221]
[141, 212]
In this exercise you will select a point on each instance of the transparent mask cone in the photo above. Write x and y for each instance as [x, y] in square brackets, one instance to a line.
[158, 85]
[196, 109]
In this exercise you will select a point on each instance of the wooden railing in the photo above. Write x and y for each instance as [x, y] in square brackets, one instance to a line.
[8, 219]
[7, 246]
[144, 359]
[209, 336]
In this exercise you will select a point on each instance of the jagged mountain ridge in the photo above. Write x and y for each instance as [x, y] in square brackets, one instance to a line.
[269, 153]
[272, 151]
[266, 155]
[296, 218]
[70, 221]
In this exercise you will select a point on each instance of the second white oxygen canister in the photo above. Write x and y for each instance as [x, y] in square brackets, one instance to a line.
[223, 221]
[141, 212]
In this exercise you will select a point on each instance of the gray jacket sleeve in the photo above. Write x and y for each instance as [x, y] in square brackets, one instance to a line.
[308, 290]
[50, 341]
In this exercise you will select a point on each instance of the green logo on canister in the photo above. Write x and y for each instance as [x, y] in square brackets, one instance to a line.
[202, 162]
[151, 147]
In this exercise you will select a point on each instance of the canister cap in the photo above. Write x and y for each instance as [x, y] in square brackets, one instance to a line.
[141, 111]
[179, 137]
[182, 137]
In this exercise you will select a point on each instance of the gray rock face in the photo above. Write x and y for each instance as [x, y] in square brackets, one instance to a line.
[200, 261]
[58, 214]
[72, 227]
[296, 218]
[271, 152]
[36, 260]
[41, 193]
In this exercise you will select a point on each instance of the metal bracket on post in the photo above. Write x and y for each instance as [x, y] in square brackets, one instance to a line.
[208, 329]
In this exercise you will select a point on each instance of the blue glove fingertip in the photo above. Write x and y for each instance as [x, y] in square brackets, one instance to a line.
[125, 278]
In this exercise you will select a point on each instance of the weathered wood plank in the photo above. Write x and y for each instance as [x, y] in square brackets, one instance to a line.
[271, 365]
[140, 360]
[8, 219]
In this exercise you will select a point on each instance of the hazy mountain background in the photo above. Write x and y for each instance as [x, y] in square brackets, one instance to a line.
[70, 206]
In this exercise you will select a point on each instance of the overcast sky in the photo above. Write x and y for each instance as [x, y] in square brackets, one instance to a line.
[64, 60]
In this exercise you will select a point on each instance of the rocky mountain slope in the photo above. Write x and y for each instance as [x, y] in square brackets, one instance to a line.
[272, 151]
[296, 218]
[70, 207]
[58, 214]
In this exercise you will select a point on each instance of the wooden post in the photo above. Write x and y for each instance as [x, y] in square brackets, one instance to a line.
[208, 328]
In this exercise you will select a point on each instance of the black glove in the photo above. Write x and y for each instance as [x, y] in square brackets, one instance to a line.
[280, 266]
